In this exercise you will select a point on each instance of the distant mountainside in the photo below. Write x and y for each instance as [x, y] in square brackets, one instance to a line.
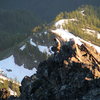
[46, 9]
[19, 21]
[15, 26]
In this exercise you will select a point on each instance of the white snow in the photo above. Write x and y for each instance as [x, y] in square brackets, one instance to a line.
[44, 49]
[98, 36]
[1, 71]
[32, 43]
[82, 12]
[66, 36]
[18, 72]
[23, 47]
[35, 61]
[45, 32]
[4, 78]
[92, 32]
[96, 47]
[60, 23]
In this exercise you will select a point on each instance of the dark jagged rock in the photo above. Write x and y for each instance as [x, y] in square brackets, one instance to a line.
[63, 77]
[4, 94]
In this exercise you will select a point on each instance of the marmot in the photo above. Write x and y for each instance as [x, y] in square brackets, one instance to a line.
[57, 46]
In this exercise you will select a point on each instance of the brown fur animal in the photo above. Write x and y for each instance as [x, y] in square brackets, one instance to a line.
[57, 46]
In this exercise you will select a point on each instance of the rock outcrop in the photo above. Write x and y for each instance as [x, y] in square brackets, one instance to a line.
[4, 94]
[71, 74]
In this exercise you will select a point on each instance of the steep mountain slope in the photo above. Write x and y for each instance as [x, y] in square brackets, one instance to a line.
[37, 47]
[72, 73]
[26, 56]
[83, 22]
[14, 71]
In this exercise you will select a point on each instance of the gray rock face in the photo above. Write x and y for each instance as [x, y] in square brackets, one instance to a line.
[61, 78]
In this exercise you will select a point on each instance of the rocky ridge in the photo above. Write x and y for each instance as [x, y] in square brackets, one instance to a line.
[71, 74]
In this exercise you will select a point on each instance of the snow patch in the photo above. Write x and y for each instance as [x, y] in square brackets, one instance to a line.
[92, 32]
[23, 47]
[44, 49]
[98, 36]
[32, 43]
[18, 72]
[66, 36]
[82, 12]
[45, 32]
[62, 22]
[2, 72]
[35, 61]
[96, 47]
